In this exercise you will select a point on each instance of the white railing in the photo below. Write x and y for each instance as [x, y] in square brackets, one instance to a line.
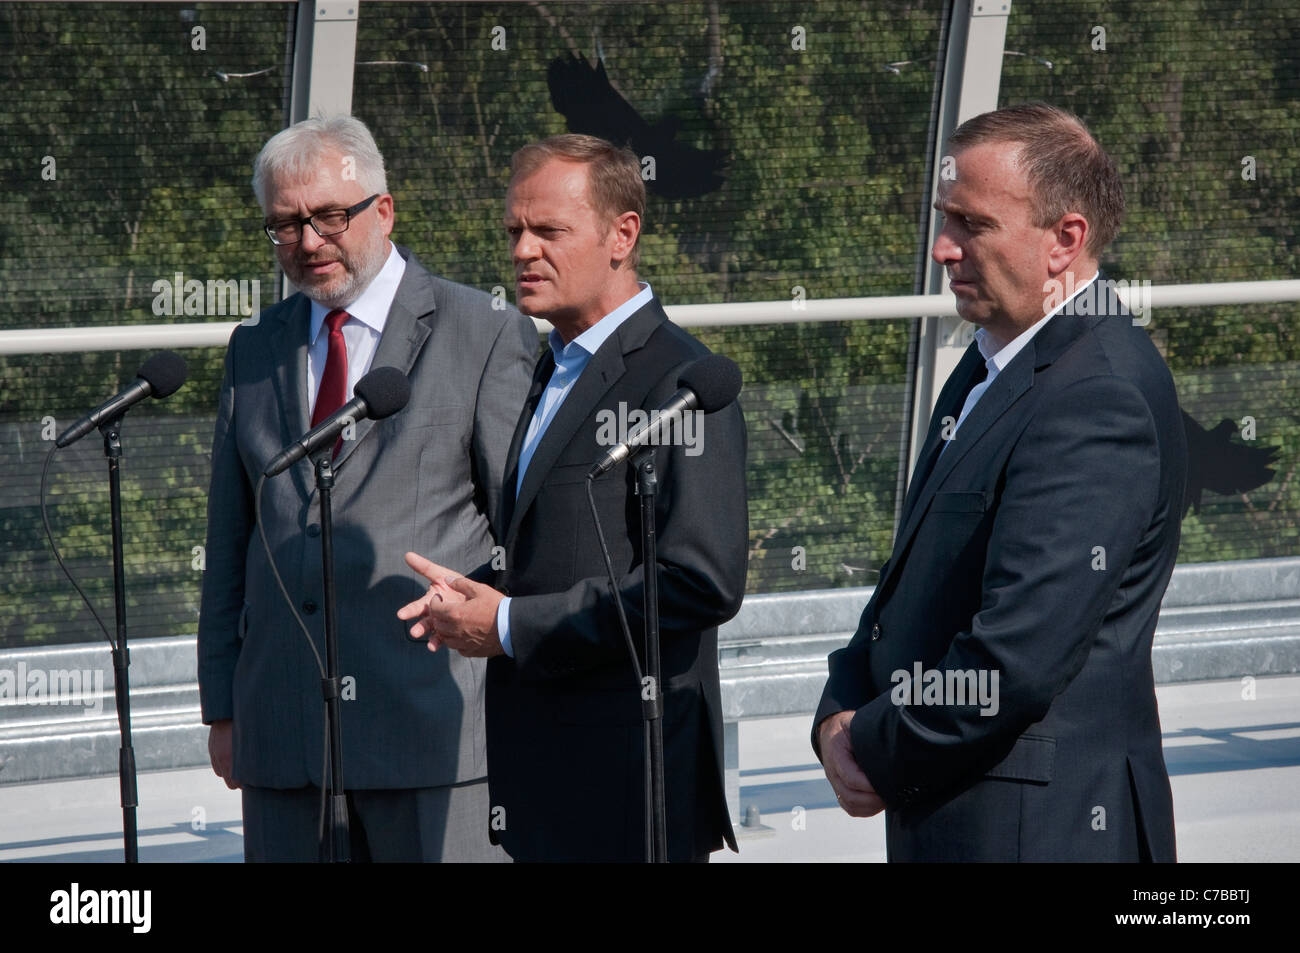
[216, 333]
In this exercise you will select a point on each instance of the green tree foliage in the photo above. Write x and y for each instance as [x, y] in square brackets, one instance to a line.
[821, 198]
[822, 111]
[126, 161]
[1197, 102]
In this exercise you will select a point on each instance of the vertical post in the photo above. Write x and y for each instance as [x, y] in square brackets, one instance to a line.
[972, 74]
[324, 52]
[325, 49]
[731, 769]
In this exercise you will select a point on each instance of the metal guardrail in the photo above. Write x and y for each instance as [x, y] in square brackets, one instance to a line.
[216, 333]
[1218, 620]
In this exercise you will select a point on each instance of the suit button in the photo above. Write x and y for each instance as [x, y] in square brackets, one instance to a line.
[313, 530]
[308, 607]
[875, 632]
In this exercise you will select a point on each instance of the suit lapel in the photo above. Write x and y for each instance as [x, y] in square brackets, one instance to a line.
[964, 377]
[600, 374]
[1007, 388]
[1013, 380]
[404, 335]
[288, 359]
[604, 368]
[541, 377]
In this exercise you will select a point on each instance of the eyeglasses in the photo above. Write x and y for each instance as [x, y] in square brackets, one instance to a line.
[331, 222]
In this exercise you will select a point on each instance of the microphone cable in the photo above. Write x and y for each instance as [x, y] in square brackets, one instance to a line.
[49, 536]
[631, 651]
[311, 644]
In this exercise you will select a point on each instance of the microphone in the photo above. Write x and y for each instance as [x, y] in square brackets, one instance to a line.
[381, 393]
[708, 384]
[159, 377]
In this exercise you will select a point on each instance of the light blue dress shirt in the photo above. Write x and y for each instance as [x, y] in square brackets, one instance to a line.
[570, 361]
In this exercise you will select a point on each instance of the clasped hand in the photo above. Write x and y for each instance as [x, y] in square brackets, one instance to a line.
[852, 788]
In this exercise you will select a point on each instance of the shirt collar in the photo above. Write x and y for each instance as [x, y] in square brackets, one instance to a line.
[590, 340]
[371, 307]
[996, 360]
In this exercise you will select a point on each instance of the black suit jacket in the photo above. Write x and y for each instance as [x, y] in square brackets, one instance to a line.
[565, 739]
[1038, 547]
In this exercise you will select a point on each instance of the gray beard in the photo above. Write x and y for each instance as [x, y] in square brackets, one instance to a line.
[363, 270]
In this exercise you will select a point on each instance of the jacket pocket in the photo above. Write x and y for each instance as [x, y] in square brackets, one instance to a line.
[1031, 759]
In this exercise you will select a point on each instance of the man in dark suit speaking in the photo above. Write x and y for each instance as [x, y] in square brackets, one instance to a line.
[565, 748]
[997, 699]
[413, 754]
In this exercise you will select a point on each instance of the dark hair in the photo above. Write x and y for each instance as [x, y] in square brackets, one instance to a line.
[614, 183]
[1067, 169]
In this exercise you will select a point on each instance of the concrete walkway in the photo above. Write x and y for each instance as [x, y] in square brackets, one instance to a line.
[1234, 762]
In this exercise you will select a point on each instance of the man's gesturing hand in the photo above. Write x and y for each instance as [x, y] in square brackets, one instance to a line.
[854, 791]
[455, 612]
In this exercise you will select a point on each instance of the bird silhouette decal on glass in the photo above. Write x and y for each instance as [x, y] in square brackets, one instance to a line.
[590, 105]
[1216, 464]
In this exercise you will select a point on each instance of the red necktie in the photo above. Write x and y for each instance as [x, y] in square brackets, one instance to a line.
[334, 382]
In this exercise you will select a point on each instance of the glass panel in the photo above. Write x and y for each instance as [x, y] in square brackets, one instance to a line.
[818, 196]
[130, 130]
[165, 469]
[1196, 101]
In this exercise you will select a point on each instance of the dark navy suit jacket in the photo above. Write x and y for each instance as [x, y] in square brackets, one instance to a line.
[1037, 546]
[564, 725]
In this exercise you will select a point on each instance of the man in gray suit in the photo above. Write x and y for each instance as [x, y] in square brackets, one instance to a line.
[427, 478]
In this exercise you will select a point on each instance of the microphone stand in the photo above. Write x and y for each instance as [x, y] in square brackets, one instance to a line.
[336, 847]
[653, 706]
[111, 429]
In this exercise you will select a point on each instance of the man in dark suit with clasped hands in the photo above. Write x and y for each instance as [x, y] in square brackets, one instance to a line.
[565, 737]
[413, 752]
[997, 699]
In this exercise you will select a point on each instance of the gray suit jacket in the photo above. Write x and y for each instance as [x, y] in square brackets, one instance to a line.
[425, 479]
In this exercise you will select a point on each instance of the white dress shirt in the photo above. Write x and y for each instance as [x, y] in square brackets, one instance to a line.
[996, 358]
[367, 316]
